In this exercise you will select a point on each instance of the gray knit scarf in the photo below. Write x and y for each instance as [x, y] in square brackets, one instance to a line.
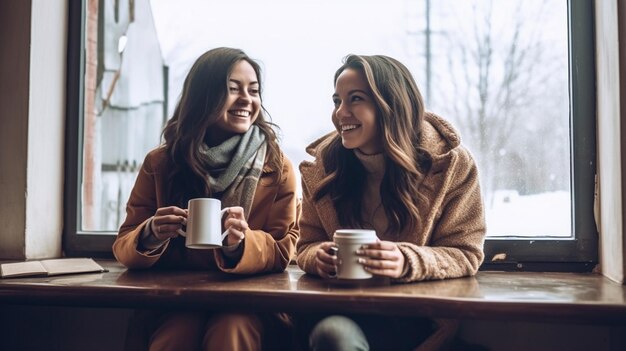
[235, 167]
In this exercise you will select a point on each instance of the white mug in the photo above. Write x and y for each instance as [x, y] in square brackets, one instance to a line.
[204, 224]
[348, 241]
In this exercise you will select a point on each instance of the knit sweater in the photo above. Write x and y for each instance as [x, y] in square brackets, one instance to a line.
[449, 240]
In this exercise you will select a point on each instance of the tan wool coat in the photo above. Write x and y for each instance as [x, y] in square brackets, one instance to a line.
[268, 246]
[449, 241]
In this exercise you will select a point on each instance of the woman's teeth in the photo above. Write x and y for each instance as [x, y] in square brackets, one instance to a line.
[240, 113]
[347, 127]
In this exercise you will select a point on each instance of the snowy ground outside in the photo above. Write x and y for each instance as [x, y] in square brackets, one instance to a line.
[545, 214]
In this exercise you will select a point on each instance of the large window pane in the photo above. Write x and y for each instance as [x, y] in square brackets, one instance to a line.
[124, 107]
[498, 70]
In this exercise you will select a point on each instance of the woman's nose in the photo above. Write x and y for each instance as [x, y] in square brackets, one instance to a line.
[342, 110]
[244, 96]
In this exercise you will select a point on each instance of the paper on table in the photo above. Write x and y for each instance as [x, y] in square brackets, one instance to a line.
[20, 269]
[50, 267]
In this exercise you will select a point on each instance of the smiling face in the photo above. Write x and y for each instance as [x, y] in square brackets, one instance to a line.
[354, 115]
[243, 101]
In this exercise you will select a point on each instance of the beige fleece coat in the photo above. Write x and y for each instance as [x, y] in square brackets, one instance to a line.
[448, 244]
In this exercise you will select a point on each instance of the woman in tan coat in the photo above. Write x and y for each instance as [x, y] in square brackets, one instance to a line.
[392, 167]
[217, 144]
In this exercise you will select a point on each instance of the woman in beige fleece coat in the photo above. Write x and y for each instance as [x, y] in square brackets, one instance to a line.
[392, 167]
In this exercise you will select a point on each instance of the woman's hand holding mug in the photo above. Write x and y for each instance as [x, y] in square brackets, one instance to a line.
[326, 260]
[236, 225]
[167, 221]
[382, 258]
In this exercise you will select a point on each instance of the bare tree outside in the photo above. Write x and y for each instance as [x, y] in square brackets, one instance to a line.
[503, 83]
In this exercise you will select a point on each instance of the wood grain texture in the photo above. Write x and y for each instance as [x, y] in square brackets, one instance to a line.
[512, 296]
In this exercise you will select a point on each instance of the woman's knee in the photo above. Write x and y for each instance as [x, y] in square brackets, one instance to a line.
[337, 333]
[178, 331]
[233, 331]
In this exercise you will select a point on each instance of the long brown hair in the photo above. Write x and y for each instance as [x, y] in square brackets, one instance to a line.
[203, 97]
[399, 117]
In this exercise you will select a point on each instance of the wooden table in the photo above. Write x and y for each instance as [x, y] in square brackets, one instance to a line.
[537, 297]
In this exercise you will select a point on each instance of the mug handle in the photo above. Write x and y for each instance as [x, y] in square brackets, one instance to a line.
[182, 233]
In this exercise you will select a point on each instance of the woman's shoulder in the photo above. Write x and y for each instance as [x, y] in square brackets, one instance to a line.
[155, 158]
[316, 148]
[284, 169]
[441, 139]
[312, 171]
[439, 135]
[286, 164]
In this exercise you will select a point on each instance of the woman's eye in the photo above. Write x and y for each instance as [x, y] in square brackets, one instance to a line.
[336, 102]
[233, 89]
[254, 91]
[356, 98]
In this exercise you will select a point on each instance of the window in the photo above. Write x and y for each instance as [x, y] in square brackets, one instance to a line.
[501, 72]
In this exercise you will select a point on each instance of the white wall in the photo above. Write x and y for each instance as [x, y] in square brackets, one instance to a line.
[32, 114]
[611, 138]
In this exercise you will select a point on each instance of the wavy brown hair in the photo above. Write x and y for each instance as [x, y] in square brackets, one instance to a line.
[399, 118]
[203, 97]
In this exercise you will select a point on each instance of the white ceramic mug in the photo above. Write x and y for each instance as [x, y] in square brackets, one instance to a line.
[204, 224]
[348, 241]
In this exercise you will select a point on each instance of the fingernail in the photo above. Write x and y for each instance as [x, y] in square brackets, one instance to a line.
[361, 260]
[364, 247]
[333, 251]
[359, 252]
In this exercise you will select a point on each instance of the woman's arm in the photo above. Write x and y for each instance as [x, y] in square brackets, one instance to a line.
[456, 246]
[271, 248]
[312, 234]
[140, 208]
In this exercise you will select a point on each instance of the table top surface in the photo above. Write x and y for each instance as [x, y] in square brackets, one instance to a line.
[573, 297]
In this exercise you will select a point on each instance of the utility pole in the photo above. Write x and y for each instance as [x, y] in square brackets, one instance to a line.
[427, 33]
[417, 18]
